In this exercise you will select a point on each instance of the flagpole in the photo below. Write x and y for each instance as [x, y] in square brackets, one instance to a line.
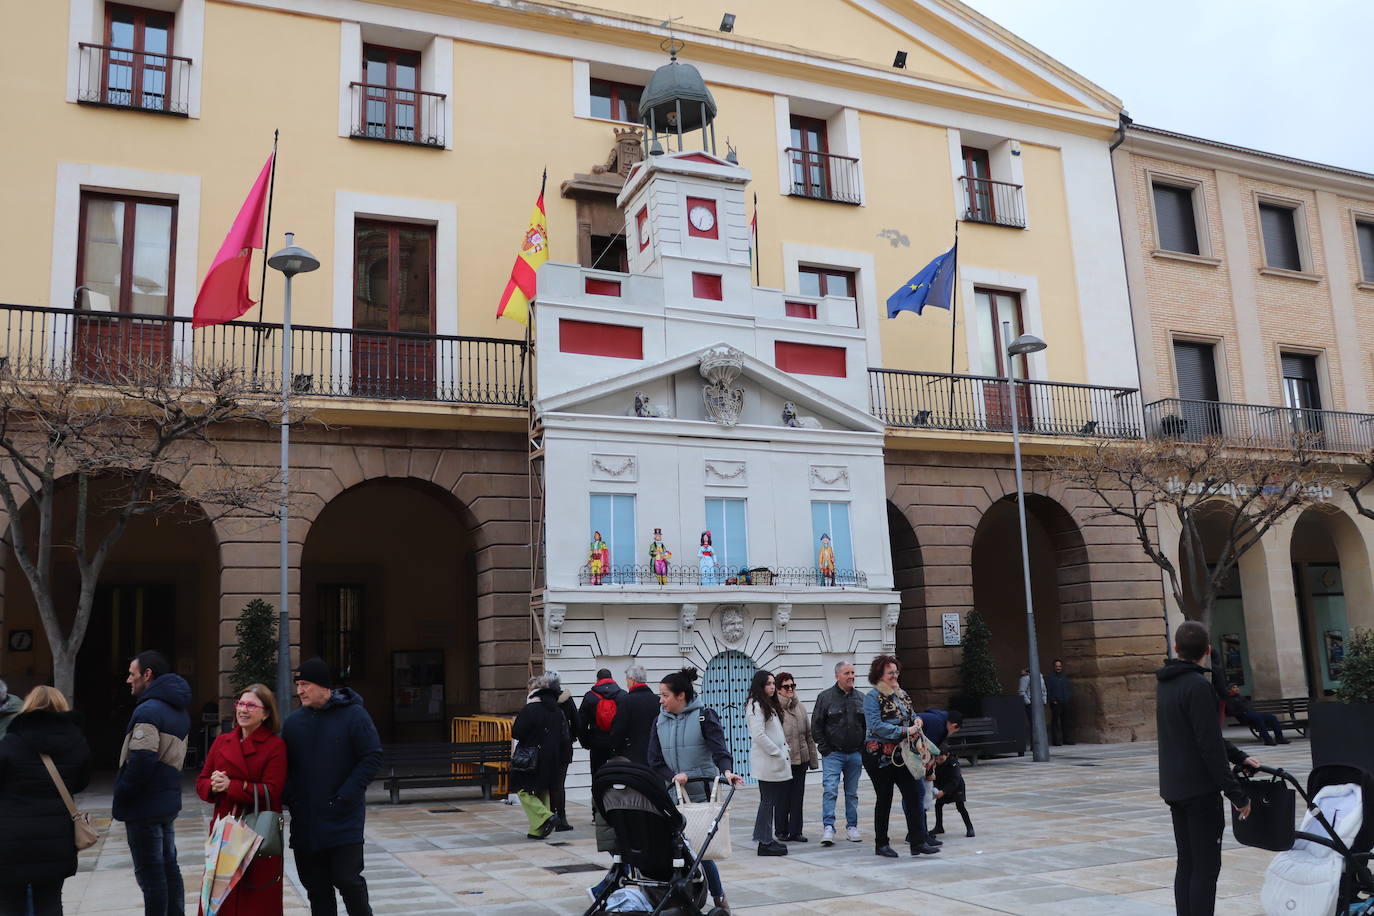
[267, 230]
[953, 319]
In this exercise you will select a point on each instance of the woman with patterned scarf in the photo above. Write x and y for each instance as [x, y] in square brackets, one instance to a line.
[891, 719]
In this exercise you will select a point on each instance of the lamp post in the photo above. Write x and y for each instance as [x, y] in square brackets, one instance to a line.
[291, 260]
[1021, 346]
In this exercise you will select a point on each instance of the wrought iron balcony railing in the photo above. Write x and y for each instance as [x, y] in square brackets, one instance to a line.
[121, 78]
[1260, 426]
[692, 577]
[998, 202]
[976, 403]
[398, 115]
[824, 176]
[48, 343]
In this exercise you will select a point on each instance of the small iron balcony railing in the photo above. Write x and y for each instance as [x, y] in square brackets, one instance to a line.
[39, 344]
[685, 575]
[121, 78]
[1260, 426]
[976, 403]
[997, 202]
[824, 176]
[399, 115]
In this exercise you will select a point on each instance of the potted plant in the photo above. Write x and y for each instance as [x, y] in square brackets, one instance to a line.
[1343, 731]
[982, 690]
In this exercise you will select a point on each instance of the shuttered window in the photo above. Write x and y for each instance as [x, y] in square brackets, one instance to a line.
[1364, 234]
[1280, 229]
[1175, 220]
[1300, 386]
[1196, 367]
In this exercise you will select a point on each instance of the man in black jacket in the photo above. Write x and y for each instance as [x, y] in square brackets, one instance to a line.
[837, 724]
[1193, 768]
[594, 736]
[635, 714]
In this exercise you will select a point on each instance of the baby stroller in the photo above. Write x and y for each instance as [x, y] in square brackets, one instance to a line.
[1322, 869]
[654, 857]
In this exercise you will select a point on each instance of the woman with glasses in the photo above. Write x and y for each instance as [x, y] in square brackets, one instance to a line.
[249, 760]
[769, 760]
[796, 728]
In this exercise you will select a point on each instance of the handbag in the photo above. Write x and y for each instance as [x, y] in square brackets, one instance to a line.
[1270, 824]
[85, 835]
[525, 758]
[699, 817]
[265, 823]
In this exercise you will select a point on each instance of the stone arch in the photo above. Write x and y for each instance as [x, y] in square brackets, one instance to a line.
[1331, 575]
[157, 590]
[908, 578]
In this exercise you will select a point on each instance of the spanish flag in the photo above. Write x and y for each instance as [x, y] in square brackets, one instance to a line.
[515, 301]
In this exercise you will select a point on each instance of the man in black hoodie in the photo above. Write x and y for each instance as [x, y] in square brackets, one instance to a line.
[1193, 768]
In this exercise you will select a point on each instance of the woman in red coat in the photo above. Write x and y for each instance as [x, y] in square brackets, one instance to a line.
[248, 757]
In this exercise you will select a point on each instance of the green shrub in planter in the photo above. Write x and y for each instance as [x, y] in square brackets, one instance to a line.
[977, 671]
[255, 659]
[1357, 670]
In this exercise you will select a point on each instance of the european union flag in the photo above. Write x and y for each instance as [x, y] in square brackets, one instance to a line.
[934, 285]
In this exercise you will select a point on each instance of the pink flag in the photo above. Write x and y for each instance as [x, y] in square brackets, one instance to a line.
[224, 292]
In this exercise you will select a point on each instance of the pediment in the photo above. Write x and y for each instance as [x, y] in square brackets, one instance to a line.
[673, 390]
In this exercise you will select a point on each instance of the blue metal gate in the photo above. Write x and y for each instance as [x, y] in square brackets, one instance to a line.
[726, 689]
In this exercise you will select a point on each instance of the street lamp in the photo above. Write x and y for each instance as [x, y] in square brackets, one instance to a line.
[1021, 346]
[291, 260]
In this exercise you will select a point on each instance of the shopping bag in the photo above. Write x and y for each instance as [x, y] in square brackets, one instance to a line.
[699, 817]
[1270, 824]
[228, 851]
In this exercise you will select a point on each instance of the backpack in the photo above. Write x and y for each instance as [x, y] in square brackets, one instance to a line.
[605, 714]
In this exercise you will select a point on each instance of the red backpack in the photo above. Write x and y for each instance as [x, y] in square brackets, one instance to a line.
[605, 714]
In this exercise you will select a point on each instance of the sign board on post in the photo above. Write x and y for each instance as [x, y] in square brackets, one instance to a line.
[950, 627]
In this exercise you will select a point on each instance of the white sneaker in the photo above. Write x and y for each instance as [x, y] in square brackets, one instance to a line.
[853, 833]
[828, 836]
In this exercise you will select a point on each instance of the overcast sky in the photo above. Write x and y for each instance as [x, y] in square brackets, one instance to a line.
[1283, 76]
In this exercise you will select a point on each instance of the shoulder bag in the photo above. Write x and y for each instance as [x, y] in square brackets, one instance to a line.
[266, 823]
[85, 835]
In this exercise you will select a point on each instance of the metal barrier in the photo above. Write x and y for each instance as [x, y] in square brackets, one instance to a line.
[824, 176]
[466, 729]
[997, 202]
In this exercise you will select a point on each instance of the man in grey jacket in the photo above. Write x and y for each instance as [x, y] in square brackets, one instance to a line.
[9, 708]
[837, 724]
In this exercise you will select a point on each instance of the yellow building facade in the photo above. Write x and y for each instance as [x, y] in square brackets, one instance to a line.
[412, 139]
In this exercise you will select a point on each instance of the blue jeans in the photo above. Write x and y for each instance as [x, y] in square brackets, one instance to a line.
[153, 847]
[833, 766]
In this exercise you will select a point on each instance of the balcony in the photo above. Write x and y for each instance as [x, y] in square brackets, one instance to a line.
[824, 176]
[119, 78]
[686, 576]
[1259, 426]
[44, 344]
[397, 115]
[998, 203]
[975, 403]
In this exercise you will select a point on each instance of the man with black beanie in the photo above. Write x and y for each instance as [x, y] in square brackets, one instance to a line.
[332, 753]
[1194, 766]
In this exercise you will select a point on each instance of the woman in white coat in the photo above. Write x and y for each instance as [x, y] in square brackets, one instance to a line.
[769, 760]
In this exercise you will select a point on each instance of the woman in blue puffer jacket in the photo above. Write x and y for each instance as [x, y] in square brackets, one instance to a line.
[891, 718]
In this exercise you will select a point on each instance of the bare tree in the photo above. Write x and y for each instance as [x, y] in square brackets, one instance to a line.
[1210, 488]
[1353, 490]
[138, 439]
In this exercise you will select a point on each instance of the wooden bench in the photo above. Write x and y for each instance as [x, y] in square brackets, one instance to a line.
[1291, 714]
[428, 765]
[976, 735]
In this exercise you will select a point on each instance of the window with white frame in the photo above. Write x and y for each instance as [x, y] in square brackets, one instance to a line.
[727, 521]
[613, 518]
[144, 55]
[988, 183]
[396, 85]
[830, 528]
[819, 150]
[608, 92]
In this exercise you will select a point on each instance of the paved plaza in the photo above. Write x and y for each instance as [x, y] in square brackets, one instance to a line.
[1083, 834]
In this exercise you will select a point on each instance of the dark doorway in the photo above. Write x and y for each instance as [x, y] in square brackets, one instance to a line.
[125, 620]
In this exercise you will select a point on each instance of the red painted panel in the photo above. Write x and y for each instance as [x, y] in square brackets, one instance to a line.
[642, 227]
[801, 309]
[698, 157]
[710, 205]
[809, 359]
[596, 286]
[707, 286]
[597, 339]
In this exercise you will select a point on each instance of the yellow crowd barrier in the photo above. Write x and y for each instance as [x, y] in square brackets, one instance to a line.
[473, 729]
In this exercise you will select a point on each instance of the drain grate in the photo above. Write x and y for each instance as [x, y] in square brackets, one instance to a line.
[573, 869]
[1086, 764]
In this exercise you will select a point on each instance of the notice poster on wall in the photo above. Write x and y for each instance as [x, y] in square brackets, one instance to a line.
[1232, 659]
[417, 685]
[1333, 641]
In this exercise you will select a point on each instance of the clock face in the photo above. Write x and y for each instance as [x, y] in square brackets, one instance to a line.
[701, 218]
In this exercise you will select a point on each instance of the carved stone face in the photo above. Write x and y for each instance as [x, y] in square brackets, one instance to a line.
[732, 623]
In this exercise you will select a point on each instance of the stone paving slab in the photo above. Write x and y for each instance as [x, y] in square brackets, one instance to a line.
[1083, 834]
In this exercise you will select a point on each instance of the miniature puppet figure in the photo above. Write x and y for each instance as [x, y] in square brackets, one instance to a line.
[599, 558]
[706, 558]
[826, 561]
[659, 555]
